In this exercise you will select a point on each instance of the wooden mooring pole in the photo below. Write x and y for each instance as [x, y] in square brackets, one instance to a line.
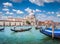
[53, 30]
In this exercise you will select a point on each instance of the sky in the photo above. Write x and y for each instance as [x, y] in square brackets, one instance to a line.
[42, 9]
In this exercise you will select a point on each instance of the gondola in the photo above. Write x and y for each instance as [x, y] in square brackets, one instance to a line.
[1, 29]
[48, 32]
[38, 28]
[21, 30]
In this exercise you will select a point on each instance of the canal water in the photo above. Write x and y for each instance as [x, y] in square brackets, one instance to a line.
[29, 37]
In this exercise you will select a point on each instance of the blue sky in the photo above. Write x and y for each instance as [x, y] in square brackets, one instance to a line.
[42, 9]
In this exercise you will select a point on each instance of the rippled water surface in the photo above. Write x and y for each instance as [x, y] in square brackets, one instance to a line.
[29, 37]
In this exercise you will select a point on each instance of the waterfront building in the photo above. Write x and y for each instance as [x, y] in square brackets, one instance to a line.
[19, 21]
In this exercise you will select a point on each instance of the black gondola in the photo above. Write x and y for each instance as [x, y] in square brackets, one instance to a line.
[38, 28]
[21, 30]
[1, 29]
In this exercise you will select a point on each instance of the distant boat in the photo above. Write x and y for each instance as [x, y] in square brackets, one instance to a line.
[1, 29]
[38, 27]
[48, 32]
[21, 30]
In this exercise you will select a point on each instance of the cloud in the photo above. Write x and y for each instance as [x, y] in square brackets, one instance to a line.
[48, 12]
[28, 10]
[31, 10]
[41, 2]
[37, 10]
[19, 12]
[48, 1]
[9, 13]
[58, 14]
[43, 17]
[3, 17]
[7, 4]
[5, 9]
[0, 13]
[10, 17]
[54, 18]
[51, 12]
[16, 1]
[31, 13]
[14, 10]
[37, 2]
[58, 0]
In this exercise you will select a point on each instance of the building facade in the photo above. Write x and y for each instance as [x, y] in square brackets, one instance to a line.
[19, 21]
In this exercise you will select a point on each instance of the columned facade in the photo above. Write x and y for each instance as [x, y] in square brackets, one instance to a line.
[19, 21]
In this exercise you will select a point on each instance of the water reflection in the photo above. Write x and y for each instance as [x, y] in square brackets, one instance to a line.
[29, 37]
